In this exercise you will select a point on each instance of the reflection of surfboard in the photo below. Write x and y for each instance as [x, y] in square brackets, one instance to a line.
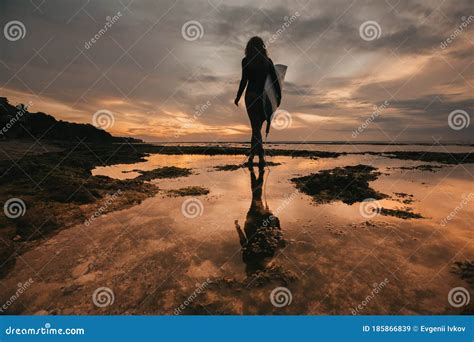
[270, 91]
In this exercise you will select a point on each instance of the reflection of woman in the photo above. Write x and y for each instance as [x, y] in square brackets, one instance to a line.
[262, 234]
[256, 67]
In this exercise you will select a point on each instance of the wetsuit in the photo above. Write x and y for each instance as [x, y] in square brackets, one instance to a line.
[255, 71]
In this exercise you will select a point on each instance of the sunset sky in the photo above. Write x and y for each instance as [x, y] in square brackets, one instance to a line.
[161, 84]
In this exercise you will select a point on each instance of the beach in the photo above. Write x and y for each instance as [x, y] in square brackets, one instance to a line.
[368, 229]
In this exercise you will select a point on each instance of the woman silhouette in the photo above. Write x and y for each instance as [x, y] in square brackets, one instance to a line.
[256, 68]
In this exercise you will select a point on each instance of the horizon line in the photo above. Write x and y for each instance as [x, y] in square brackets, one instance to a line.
[324, 142]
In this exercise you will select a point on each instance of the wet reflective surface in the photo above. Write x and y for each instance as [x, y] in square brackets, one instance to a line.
[255, 232]
[262, 234]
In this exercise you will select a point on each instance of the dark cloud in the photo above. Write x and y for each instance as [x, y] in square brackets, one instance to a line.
[299, 89]
[144, 70]
[433, 107]
[411, 39]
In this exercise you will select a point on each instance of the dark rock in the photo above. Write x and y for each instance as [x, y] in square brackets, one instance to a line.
[348, 184]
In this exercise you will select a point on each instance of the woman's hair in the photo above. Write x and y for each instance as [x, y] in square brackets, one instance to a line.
[255, 48]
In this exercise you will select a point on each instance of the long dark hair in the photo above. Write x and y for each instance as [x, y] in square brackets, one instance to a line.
[256, 48]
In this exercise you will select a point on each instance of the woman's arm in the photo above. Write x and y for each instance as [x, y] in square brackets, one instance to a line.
[242, 238]
[243, 83]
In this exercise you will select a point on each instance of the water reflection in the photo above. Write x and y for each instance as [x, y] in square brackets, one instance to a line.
[262, 234]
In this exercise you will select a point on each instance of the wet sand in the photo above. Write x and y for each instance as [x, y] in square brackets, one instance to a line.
[158, 260]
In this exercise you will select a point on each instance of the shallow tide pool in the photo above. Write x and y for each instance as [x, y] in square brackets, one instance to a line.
[184, 255]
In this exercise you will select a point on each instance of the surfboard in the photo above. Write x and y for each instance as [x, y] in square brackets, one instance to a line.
[270, 91]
